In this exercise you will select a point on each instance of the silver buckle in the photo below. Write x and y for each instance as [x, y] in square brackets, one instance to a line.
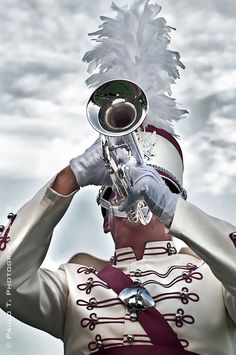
[136, 299]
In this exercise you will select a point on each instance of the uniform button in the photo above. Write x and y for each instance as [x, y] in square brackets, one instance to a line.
[179, 315]
[130, 338]
[89, 282]
[10, 215]
[133, 316]
[99, 344]
[137, 282]
[185, 274]
[1, 228]
[184, 294]
[93, 302]
[137, 272]
[94, 318]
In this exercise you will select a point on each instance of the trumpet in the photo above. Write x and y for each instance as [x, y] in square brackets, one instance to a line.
[115, 110]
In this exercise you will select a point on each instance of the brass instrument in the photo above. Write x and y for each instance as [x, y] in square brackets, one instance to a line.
[116, 109]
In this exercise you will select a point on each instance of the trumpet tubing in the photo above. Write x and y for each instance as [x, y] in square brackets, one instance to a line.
[116, 109]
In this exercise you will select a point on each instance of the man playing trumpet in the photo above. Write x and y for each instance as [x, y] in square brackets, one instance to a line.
[148, 299]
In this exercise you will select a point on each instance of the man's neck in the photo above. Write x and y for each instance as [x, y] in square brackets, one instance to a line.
[137, 239]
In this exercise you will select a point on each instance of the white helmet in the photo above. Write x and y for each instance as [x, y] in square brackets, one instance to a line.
[162, 151]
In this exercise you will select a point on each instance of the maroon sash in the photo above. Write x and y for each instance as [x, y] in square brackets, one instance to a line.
[142, 350]
[164, 339]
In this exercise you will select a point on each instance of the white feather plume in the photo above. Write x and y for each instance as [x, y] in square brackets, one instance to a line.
[134, 46]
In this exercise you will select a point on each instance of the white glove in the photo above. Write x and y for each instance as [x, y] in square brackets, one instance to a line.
[89, 168]
[150, 187]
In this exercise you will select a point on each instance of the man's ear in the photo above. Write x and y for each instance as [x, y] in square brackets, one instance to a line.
[106, 223]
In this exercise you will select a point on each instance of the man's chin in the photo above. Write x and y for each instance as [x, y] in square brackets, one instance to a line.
[134, 225]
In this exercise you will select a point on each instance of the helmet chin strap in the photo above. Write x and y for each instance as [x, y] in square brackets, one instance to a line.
[114, 210]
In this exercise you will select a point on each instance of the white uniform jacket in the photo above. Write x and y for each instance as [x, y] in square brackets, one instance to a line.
[196, 295]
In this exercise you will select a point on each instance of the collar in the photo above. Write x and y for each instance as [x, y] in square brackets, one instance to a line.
[160, 249]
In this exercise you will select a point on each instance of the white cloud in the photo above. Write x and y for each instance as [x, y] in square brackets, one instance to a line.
[43, 99]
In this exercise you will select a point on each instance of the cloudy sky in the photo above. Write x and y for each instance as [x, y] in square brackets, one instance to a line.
[43, 123]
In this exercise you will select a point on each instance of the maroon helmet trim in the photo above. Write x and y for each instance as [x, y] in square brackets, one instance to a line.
[166, 175]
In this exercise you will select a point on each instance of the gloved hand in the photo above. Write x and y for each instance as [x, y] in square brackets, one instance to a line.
[150, 187]
[89, 168]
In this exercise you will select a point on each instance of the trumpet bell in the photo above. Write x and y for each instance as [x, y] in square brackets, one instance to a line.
[117, 107]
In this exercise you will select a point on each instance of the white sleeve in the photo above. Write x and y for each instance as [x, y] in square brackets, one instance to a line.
[213, 240]
[33, 295]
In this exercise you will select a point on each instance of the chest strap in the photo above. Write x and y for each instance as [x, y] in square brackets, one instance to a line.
[142, 350]
[154, 324]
